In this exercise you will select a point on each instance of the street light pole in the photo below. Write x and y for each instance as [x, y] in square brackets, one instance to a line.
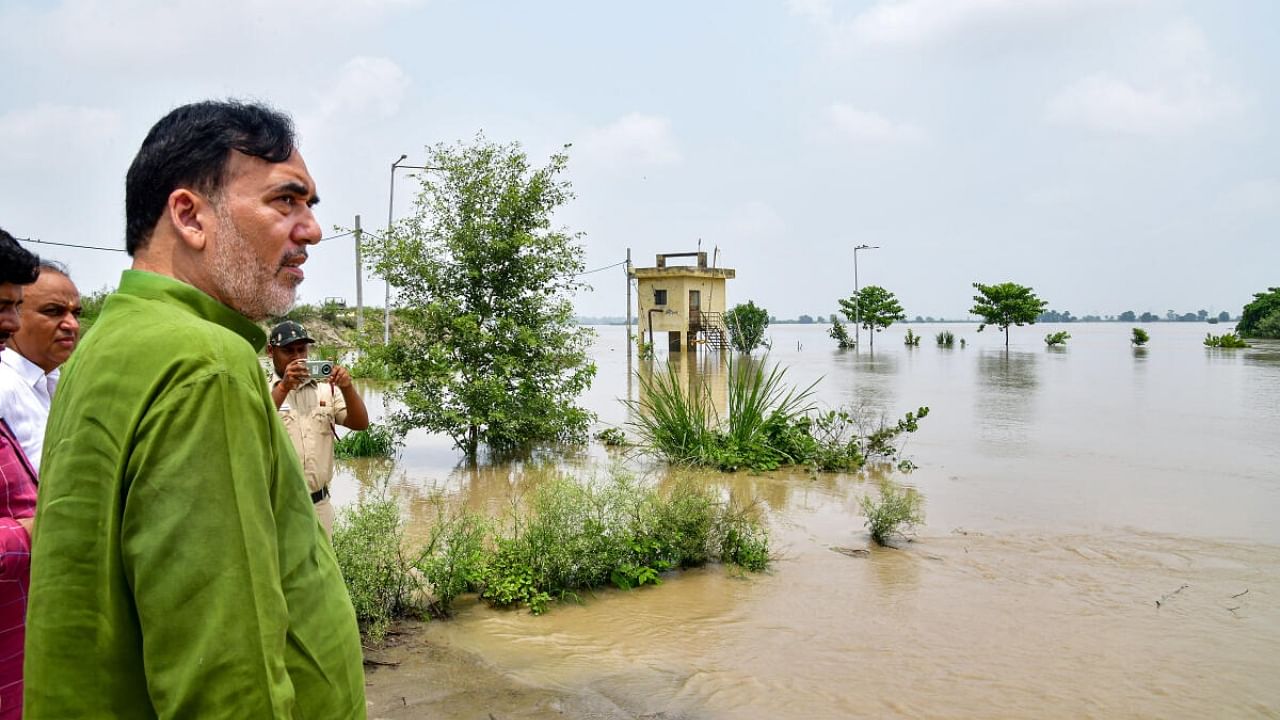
[391, 207]
[857, 308]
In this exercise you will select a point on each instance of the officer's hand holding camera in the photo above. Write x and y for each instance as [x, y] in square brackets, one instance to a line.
[295, 373]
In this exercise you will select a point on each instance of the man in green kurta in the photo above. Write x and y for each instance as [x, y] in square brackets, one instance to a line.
[179, 569]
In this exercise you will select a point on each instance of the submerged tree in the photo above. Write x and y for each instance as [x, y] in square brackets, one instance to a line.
[486, 347]
[1006, 304]
[874, 308]
[746, 324]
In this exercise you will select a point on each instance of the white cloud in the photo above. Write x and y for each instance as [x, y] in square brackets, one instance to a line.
[1105, 103]
[916, 23]
[366, 85]
[57, 134]
[870, 128]
[632, 140]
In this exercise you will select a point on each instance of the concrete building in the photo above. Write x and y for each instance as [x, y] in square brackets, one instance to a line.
[686, 303]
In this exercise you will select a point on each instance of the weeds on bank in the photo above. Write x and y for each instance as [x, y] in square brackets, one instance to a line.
[897, 509]
[566, 537]
[368, 542]
[767, 424]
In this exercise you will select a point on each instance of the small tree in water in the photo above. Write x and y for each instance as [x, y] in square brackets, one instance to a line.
[746, 324]
[1006, 304]
[874, 308]
[486, 347]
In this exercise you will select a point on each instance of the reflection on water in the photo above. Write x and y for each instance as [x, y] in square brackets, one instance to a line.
[1005, 402]
[1066, 493]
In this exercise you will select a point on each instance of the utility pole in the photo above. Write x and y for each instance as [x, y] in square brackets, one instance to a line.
[857, 308]
[359, 282]
[629, 343]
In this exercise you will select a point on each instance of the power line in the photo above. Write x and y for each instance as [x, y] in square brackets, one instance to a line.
[111, 249]
[601, 269]
[70, 245]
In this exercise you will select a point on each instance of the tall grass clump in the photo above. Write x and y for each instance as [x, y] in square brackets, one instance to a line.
[374, 441]
[911, 339]
[368, 541]
[767, 424]
[897, 509]
[945, 338]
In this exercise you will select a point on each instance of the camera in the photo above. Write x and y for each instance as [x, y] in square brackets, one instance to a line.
[320, 368]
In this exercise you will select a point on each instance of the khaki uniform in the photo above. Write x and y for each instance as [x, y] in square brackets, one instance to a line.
[309, 413]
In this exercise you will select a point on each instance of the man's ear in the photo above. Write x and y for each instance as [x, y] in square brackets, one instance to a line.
[188, 212]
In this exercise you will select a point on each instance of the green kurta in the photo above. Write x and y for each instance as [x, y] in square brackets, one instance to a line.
[178, 569]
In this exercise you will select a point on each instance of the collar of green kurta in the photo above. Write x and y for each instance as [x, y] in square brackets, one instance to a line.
[152, 286]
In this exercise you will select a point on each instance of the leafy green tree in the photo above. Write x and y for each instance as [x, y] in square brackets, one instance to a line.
[1224, 316]
[1140, 337]
[874, 308]
[1127, 316]
[1264, 305]
[487, 350]
[746, 324]
[1006, 304]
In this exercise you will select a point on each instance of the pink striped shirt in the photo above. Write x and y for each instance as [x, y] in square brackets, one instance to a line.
[17, 500]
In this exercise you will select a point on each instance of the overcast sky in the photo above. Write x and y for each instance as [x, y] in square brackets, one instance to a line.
[1113, 154]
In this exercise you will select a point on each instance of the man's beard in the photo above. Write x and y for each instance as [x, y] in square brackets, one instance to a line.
[245, 283]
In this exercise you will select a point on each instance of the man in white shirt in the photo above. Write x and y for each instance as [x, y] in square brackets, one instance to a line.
[28, 376]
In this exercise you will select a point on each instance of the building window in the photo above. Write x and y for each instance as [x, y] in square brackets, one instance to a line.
[659, 297]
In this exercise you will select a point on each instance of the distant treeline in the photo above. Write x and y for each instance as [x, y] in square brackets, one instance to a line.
[1052, 316]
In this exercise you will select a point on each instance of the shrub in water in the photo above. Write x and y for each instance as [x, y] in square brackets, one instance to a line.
[1058, 338]
[1226, 340]
[945, 338]
[911, 339]
[896, 510]
[613, 437]
[1140, 337]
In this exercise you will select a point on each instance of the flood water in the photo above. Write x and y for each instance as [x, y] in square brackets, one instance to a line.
[1066, 492]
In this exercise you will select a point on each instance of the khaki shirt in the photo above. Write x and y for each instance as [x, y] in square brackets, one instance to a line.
[309, 413]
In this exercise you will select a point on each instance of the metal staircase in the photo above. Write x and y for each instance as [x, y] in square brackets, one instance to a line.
[707, 329]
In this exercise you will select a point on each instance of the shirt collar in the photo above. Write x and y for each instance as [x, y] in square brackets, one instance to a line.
[153, 286]
[30, 372]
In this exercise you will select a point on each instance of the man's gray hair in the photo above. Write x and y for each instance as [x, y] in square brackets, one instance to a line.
[54, 265]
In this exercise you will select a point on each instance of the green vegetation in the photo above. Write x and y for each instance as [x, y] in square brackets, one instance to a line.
[372, 362]
[1140, 337]
[896, 510]
[613, 437]
[1226, 340]
[945, 338]
[746, 324]
[374, 441]
[911, 339]
[567, 537]
[1058, 338]
[485, 346]
[874, 308]
[767, 424]
[758, 432]
[91, 308]
[381, 581]
[644, 348]
[840, 333]
[1261, 318]
[1006, 304]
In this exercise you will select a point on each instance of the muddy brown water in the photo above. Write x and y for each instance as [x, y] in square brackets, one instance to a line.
[1067, 493]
